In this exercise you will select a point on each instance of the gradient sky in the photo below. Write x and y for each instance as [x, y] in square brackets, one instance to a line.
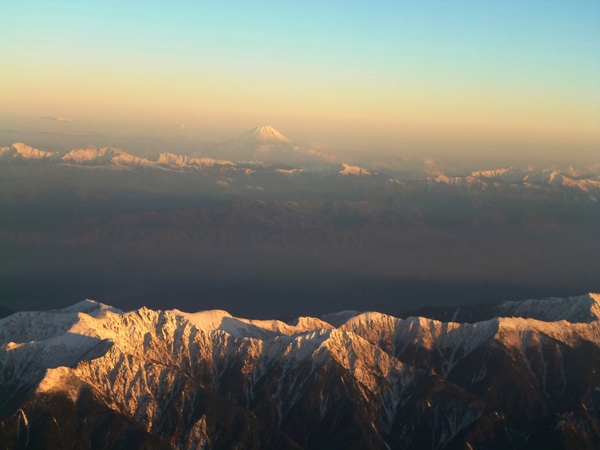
[429, 76]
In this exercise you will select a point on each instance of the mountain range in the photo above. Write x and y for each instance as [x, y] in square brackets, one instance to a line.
[261, 226]
[264, 152]
[93, 376]
[263, 223]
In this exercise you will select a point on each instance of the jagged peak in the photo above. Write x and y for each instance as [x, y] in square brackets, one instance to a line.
[348, 169]
[369, 318]
[24, 151]
[104, 155]
[205, 320]
[89, 306]
[79, 155]
[173, 159]
[493, 173]
[576, 309]
[309, 323]
[469, 180]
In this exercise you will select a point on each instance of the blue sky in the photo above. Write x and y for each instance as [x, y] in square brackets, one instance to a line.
[513, 75]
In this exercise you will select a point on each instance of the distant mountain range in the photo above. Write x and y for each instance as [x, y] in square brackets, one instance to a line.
[265, 150]
[90, 375]
[132, 229]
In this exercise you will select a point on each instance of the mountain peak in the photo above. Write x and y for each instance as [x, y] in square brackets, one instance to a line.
[264, 134]
[19, 150]
[386, 377]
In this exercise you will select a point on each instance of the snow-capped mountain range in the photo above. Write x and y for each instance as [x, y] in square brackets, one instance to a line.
[265, 149]
[91, 374]
[247, 158]
[512, 176]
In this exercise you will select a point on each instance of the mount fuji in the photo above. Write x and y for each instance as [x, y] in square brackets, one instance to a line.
[266, 145]
[262, 135]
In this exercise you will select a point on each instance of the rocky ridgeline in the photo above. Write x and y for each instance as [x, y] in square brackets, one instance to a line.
[92, 375]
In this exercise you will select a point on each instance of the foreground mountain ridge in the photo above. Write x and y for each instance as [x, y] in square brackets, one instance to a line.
[169, 379]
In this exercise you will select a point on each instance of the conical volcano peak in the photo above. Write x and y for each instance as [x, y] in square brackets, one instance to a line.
[265, 134]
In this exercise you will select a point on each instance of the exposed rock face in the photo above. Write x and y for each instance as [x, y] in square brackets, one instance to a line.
[91, 375]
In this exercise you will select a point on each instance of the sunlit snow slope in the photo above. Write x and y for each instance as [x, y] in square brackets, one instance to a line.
[92, 375]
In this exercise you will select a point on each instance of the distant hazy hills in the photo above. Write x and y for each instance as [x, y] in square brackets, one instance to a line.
[263, 152]
[271, 226]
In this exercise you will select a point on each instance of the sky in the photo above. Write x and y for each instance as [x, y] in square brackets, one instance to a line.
[397, 76]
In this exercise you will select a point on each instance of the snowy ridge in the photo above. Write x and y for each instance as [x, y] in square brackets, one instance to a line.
[90, 307]
[147, 365]
[103, 156]
[221, 320]
[556, 179]
[584, 308]
[18, 150]
[262, 143]
[523, 333]
[505, 175]
[181, 161]
[109, 156]
[450, 341]
[470, 181]
[264, 149]
[512, 176]
[325, 170]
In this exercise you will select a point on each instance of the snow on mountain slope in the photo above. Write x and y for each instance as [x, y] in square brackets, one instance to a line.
[60, 328]
[306, 379]
[110, 156]
[469, 181]
[380, 377]
[448, 340]
[217, 320]
[19, 150]
[326, 170]
[29, 326]
[551, 178]
[266, 145]
[79, 156]
[149, 346]
[308, 323]
[447, 343]
[181, 161]
[507, 175]
[264, 134]
[105, 155]
[91, 307]
[556, 179]
[353, 170]
[584, 308]
[263, 150]
[206, 320]
[522, 333]
[514, 177]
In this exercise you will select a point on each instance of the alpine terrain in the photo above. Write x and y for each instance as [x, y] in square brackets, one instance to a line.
[92, 376]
